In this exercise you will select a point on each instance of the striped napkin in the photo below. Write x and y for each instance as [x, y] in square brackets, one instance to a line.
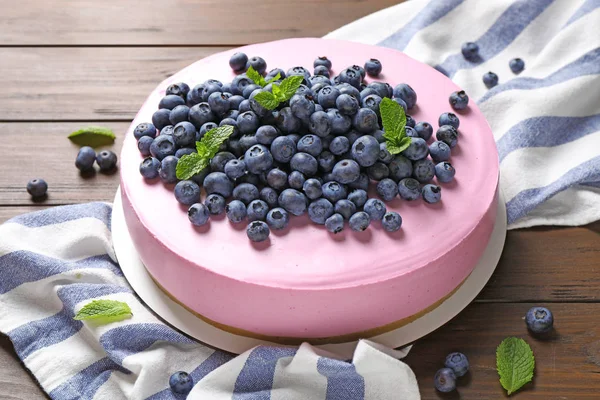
[43, 283]
[546, 120]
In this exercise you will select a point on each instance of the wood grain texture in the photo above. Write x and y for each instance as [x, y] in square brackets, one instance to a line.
[16, 383]
[47, 84]
[567, 362]
[175, 22]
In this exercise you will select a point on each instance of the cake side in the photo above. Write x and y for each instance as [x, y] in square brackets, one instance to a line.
[301, 282]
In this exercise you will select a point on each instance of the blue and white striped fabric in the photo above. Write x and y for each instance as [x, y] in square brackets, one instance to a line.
[546, 120]
[52, 262]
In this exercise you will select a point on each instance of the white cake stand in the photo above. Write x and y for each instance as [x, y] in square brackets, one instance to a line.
[180, 318]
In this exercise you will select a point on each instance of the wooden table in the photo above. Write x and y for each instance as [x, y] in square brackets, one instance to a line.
[76, 62]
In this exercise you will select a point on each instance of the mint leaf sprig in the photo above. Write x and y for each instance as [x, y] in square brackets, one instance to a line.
[104, 311]
[192, 164]
[515, 363]
[259, 79]
[393, 118]
[281, 93]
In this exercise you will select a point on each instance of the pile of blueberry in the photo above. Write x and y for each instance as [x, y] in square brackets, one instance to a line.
[455, 366]
[316, 153]
[470, 51]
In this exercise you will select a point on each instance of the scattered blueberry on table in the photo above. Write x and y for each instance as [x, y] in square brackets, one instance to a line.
[37, 188]
[181, 382]
[266, 147]
[457, 362]
[539, 320]
[445, 380]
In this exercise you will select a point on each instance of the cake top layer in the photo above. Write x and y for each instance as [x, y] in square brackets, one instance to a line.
[305, 255]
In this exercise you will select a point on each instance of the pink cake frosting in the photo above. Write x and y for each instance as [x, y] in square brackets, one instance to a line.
[305, 282]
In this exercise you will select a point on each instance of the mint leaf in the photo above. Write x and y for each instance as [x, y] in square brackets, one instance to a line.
[275, 78]
[289, 86]
[104, 311]
[515, 363]
[277, 92]
[256, 77]
[393, 118]
[267, 99]
[190, 165]
[94, 136]
[214, 138]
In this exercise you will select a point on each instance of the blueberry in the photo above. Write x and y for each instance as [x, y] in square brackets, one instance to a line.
[326, 161]
[470, 51]
[235, 168]
[160, 118]
[236, 211]
[445, 380]
[278, 218]
[449, 118]
[179, 89]
[310, 144]
[457, 362]
[384, 155]
[167, 130]
[298, 71]
[360, 70]
[239, 83]
[346, 88]
[204, 129]
[287, 122]
[423, 170]
[149, 168]
[283, 149]
[184, 151]
[339, 145]
[365, 121]
[144, 144]
[322, 60]
[244, 106]
[215, 203]
[269, 196]
[378, 171]
[400, 167]
[346, 171]
[277, 178]
[373, 67]
[490, 79]
[365, 150]
[258, 231]
[359, 221]
[179, 114]
[296, 180]
[247, 141]
[85, 159]
[411, 132]
[171, 101]
[293, 201]
[219, 183]
[302, 106]
[327, 97]
[358, 197]
[346, 208]
[37, 188]
[367, 92]
[304, 163]
[407, 94]
[321, 70]
[351, 76]
[258, 64]
[245, 192]
[201, 114]
[375, 208]
[168, 169]
[144, 129]
[410, 121]
[248, 90]
[181, 382]
[226, 88]
[247, 122]
[218, 102]
[319, 210]
[380, 88]
[334, 191]
[184, 134]
[417, 149]
[210, 88]
[516, 65]
[187, 192]
[372, 102]
[431, 193]
[257, 210]
[194, 96]
[320, 123]
[235, 101]
[218, 162]
[387, 189]
[273, 73]
[347, 104]
[361, 183]
[213, 82]
[539, 320]
[340, 123]
[238, 61]
[447, 134]
[305, 90]
[409, 189]
[295, 137]
[444, 172]
[459, 100]
[265, 134]
[439, 151]
[424, 130]
[258, 159]
[335, 223]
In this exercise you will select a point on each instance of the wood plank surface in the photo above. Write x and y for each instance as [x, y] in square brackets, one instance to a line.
[47, 84]
[16, 383]
[175, 22]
